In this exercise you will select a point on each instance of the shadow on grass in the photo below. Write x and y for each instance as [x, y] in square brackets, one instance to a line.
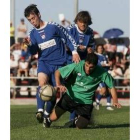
[96, 126]
[109, 126]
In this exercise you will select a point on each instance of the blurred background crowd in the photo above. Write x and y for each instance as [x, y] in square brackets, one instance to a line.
[23, 66]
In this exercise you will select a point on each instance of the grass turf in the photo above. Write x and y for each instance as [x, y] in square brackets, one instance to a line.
[113, 125]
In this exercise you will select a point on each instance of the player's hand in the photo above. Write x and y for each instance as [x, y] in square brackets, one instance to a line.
[89, 50]
[76, 58]
[117, 105]
[61, 89]
[27, 41]
[81, 47]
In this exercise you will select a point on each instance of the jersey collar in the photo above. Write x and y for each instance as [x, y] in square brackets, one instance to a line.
[79, 29]
[45, 24]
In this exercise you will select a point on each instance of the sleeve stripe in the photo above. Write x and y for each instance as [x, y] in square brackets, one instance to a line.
[65, 32]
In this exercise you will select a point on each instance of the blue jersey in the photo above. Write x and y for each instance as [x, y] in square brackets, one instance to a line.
[49, 42]
[101, 59]
[81, 38]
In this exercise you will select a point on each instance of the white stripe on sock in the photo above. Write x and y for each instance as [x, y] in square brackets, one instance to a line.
[46, 113]
[40, 110]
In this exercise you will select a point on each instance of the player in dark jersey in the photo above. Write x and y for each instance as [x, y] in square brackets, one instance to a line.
[47, 39]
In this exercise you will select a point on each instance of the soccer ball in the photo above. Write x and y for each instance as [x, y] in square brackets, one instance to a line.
[47, 92]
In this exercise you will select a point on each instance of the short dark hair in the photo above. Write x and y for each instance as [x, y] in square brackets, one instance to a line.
[92, 58]
[31, 9]
[83, 16]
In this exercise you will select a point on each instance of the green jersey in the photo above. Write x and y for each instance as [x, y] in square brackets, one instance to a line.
[80, 86]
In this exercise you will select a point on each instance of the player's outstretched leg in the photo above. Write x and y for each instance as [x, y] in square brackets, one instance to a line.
[56, 113]
[49, 107]
[40, 107]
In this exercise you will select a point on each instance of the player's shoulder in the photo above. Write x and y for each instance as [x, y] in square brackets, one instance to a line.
[80, 64]
[77, 65]
[32, 31]
[89, 30]
[71, 27]
[98, 54]
[54, 24]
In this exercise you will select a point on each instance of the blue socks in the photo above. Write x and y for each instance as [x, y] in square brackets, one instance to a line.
[40, 102]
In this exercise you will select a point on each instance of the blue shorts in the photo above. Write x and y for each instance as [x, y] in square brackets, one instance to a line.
[102, 85]
[49, 70]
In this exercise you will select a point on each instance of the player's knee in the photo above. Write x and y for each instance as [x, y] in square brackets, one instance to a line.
[56, 113]
[82, 122]
[41, 83]
[42, 79]
[53, 116]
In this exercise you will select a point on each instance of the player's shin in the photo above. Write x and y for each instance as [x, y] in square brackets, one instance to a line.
[50, 106]
[40, 107]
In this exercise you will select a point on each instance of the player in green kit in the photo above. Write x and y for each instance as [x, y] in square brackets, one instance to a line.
[82, 80]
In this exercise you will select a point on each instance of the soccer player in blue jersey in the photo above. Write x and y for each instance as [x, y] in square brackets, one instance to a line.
[83, 36]
[102, 61]
[48, 39]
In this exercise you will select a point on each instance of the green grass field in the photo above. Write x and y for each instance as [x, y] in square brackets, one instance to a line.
[108, 125]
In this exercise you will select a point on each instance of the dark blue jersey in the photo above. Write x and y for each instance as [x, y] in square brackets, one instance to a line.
[82, 38]
[102, 60]
[49, 42]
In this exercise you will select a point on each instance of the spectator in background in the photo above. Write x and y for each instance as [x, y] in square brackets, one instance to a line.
[21, 31]
[13, 65]
[126, 80]
[34, 59]
[124, 63]
[96, 34]
[33, 73]
[121, 51]
[23, 67]
[116, 73]
[110, 49]
[12, 84]
[64, 22]
[128, 55]
[33, 70]
[12, 34]
[16, 51]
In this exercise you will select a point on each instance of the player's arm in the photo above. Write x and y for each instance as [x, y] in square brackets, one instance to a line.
[59, 85]
[64, 73]
[31, 43]
[70, 42]
[109, 81]
[115, 98]
[91, 44]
